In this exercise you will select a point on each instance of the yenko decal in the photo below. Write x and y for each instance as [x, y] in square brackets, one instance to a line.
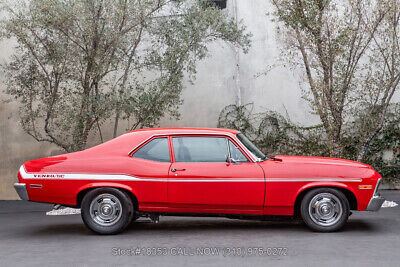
[48, 176]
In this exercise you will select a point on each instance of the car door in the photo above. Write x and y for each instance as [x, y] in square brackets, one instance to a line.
[150, 164]
[201, 179]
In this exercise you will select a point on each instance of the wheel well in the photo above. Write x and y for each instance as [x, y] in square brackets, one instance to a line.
[82, 193]
[349, 195]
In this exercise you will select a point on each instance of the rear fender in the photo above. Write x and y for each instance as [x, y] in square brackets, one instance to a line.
[105, 184]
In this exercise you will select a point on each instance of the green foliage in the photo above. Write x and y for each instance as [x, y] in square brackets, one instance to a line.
[77, 62]
[349, 54]
[276, 134]
[384, 150]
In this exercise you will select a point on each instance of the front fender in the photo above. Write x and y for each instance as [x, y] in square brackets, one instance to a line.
[325, 184]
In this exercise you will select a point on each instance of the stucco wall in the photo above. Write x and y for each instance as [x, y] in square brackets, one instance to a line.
[219, 83]
[16, 147]
[216, 80]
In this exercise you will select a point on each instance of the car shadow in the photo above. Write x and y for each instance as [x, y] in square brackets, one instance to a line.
[196, 225]
[360, 226]
[60, 229]
[248, 225]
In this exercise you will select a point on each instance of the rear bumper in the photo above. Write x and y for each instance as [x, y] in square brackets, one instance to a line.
[21, 190]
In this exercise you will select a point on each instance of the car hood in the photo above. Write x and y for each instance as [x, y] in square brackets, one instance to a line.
[315, 167]
[321, 161]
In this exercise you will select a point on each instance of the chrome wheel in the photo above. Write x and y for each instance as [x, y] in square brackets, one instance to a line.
[325, 209]
[106, 209]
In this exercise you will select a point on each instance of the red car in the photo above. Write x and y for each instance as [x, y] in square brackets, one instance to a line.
[198, 171]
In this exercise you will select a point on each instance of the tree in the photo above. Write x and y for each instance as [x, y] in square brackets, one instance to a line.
[380, 79]
[79, 63]
[276, 134]
[349, 54]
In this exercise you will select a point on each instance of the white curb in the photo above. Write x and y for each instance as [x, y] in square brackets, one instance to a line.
[389, 204]
[64, 211]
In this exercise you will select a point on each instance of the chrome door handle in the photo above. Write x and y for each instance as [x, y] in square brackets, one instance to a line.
[177, 169]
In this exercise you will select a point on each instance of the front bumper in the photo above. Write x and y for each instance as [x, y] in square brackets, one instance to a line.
[377, 200]
[375, 203]
[21, 190]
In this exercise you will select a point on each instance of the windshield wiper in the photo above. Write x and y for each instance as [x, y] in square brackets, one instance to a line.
[275, 159]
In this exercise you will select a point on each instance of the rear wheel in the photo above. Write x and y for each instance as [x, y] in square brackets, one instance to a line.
[325, 209]
[106, 210]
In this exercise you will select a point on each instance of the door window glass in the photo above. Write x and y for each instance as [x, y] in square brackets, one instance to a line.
[200, 149]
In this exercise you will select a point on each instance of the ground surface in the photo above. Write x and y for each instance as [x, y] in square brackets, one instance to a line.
[29, 237]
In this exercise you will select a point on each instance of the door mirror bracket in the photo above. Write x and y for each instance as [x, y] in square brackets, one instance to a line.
[231, 160]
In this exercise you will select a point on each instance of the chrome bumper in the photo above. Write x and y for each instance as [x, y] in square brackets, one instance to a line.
[21, 190]
[376, 201]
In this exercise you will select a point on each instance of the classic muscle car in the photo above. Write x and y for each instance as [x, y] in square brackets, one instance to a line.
[198, 171]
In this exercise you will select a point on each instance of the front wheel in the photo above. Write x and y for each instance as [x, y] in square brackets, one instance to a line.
[106, 210]
[325, 209]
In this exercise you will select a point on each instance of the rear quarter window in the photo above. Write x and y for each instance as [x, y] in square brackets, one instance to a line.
[155, 150]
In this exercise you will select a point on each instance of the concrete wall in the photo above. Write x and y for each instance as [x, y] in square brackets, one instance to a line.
[216, 84]
[219, 83]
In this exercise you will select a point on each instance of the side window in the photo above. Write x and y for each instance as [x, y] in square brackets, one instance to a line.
[236, 154]
[156, 150]
[200, 149]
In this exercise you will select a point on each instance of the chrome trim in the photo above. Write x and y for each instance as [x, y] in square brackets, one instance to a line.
[36, 186]
[228, 148]
[376, 186]
[21, 190]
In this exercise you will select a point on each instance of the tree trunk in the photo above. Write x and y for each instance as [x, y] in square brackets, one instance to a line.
[336, 149]
[116, 123]
[362, 152]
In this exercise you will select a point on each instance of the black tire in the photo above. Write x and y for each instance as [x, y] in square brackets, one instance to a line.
[121, 216]
[333, 203]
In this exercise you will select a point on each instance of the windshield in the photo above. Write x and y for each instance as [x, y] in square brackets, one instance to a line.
[251, 147]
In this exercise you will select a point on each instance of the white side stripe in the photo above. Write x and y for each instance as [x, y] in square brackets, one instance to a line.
[121, 177]
[317, 179]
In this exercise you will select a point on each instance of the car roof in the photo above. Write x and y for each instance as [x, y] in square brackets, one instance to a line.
[124, 143]
[178, 130]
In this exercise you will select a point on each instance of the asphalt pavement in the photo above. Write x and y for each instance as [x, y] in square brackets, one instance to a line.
[30, 238]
